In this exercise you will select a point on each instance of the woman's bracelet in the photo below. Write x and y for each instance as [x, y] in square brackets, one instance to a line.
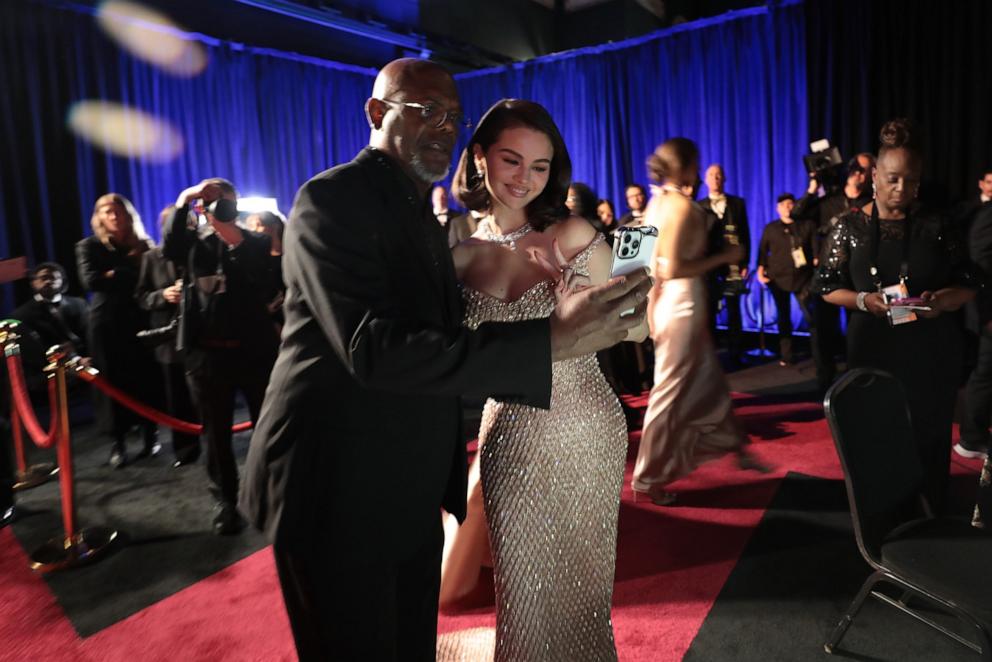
[861, 301]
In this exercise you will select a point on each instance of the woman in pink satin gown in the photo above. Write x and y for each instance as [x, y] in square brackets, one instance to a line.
[689, 419]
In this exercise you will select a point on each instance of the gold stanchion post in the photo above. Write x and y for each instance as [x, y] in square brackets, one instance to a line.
[76, 546]
[26, 476]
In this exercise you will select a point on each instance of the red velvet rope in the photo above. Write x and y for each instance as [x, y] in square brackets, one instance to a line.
[93, 377]
[22, 401]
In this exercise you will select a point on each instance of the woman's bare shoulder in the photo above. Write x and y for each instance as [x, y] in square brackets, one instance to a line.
[573, 234]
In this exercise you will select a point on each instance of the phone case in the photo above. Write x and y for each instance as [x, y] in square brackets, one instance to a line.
[633, 249]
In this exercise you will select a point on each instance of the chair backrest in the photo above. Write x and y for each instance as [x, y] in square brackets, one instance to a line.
[870, 421]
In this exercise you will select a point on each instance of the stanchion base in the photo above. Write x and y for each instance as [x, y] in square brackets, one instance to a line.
[62, 553]
[35, 475]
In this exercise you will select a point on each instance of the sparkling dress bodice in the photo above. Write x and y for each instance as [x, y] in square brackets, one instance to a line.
[551, 483]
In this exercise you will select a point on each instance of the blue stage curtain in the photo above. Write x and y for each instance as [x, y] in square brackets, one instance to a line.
[735, 84]
[267, 121]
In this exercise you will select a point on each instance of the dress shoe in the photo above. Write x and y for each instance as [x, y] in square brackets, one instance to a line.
[150, 451]
[657, 498]
[183, 462]
[118, 458]
[964, 449]
[227, 521]
[7, 517]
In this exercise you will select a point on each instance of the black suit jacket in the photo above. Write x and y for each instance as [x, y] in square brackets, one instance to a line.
[156, 274]
[736, 215]
[359, 441]
[43, 328]
[980, 252]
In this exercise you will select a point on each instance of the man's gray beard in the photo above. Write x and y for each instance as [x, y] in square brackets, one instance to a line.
[425, 173]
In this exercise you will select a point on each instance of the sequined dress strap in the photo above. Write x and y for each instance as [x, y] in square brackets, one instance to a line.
[580, 263]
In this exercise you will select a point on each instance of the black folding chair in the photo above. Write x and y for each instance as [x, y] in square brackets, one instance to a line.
[944, 562]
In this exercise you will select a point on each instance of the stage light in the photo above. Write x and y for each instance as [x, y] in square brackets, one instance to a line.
[255, 204]
[152, 36]
[125, 131]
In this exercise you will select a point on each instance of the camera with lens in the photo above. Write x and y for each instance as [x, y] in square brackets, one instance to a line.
[822, 159]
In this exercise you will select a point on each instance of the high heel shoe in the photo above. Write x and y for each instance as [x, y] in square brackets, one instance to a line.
[657, 498]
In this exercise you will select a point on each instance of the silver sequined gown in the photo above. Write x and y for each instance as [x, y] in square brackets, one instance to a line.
[551, 482]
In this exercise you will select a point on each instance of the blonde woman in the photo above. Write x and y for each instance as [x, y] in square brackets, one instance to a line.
[108, 263]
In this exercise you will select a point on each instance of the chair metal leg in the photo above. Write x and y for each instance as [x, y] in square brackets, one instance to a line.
[852, 611]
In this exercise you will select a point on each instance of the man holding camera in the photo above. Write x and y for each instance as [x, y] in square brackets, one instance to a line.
[824, 212]
[229, 341]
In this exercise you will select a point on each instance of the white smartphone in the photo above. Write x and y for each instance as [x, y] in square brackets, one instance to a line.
[633, 249]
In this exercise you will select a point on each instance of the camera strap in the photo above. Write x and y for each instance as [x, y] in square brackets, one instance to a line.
[875, 231]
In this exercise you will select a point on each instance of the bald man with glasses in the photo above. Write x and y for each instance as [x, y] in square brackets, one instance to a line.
[359, 444]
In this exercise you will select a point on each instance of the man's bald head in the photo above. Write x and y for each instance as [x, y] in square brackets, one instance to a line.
[405, 74]
[403, 94]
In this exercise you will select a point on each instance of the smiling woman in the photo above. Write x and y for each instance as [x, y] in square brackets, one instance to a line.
[545, 473]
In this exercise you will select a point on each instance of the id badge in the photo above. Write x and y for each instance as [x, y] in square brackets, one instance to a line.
[898, 315]
[798, 258]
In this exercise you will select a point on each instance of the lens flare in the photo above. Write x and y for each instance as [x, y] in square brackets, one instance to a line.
[153, 37]
[125, 131]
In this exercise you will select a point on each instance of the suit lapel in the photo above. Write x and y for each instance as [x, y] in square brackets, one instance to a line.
[405, 212]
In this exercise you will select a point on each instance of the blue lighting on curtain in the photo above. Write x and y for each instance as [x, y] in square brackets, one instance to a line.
[268, 120]
[735, 84]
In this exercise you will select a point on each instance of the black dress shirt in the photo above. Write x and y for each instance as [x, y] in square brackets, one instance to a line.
[775, 253]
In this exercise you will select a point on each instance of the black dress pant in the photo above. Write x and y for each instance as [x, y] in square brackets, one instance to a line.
[735, 326]
[214, 376]
[185, 446]
[361, 607]
[978, 397]
[829, 341]
[783, 307]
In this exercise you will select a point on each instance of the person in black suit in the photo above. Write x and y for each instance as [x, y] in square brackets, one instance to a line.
[226, 332]
[637, 203]
[967, 210]
[730, 226]
[108, 262]
[975, 439]
[785, 266]
[158, 292]
[50, 317]
[823, 212]
[359, 443]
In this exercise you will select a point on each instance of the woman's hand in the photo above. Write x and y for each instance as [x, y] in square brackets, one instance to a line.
[876, 305]
[935, 302]
[567, 280]
[762, 276]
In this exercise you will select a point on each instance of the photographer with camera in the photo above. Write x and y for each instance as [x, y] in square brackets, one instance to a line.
[225, 331]
[159, 291]
[824, 212]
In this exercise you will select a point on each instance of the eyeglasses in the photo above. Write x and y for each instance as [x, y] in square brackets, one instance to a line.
[435, 115]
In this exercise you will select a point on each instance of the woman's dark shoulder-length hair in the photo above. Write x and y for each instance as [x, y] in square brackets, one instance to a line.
[588, 200]
[469, 187]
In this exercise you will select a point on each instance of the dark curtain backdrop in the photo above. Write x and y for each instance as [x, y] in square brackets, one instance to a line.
[264, 120]
[872, 61]
[735, 84]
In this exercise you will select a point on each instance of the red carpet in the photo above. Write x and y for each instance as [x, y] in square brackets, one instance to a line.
[672, 564]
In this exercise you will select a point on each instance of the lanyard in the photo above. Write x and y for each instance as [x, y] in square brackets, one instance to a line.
[874, 225]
